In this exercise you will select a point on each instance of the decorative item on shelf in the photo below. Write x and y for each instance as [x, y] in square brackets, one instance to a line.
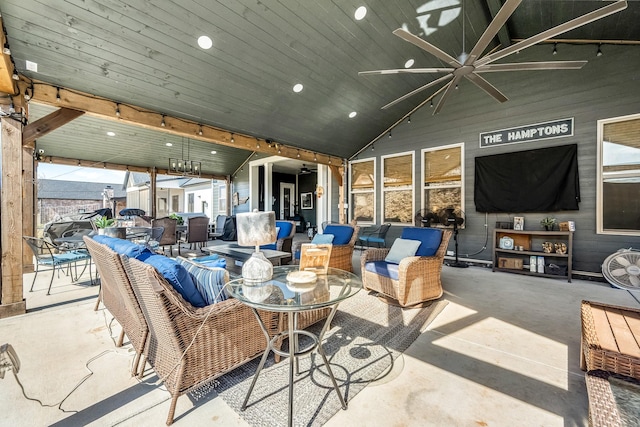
[567, 226]
[547, 247]
[255, 229]
[548, 223]
[506, 242]
[518, 223]
[561, 248]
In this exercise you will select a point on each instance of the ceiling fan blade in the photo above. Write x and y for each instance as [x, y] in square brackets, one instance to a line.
[449, 87]
[532, 66]
[417, 41]
[421, 88]
[407, 71]
[487, 87]
[498, 21]
[634, 280]
[555, 31]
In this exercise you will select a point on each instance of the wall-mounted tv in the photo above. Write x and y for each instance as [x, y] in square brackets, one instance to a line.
[541, 180]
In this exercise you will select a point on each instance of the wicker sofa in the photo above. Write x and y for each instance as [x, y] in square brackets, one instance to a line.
[416, 278]
[187, 346]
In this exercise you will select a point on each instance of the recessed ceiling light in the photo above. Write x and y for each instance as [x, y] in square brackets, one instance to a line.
[168, 144]
[361, 12]
[214, 152]
[409, 63]
[205, 42]
[111, 133]
[298, 87]
[352, 114]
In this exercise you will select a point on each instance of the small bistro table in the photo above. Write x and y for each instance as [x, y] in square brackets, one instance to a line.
[284, 296]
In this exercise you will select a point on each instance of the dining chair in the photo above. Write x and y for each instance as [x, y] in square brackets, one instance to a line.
[46, 256]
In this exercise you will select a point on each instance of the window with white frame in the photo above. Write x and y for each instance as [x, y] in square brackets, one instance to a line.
[443, 178]
[618, 210]
[363, 190]
[222, 197]
[397, 188]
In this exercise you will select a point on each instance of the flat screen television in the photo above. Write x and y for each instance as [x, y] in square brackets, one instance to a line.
[541, 180]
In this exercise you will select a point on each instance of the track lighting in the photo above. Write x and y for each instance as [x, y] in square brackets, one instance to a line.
[555, 48]
[599, 53]
[162, 123]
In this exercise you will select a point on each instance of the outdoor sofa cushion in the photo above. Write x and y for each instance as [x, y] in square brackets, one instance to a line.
[430, 238]
[210, 281]
[383, 268]
[179, 278]
[283, 230]
[402, 248]
[342, 233]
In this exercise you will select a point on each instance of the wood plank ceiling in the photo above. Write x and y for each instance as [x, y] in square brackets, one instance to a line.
[144, 53]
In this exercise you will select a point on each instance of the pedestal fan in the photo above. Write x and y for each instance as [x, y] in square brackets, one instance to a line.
[450, 218]
[424, 218]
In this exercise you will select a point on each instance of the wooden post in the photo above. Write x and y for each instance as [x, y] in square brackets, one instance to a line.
[11, 223]
[28, 206]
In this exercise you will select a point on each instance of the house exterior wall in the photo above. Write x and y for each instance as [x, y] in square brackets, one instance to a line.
[602, 89]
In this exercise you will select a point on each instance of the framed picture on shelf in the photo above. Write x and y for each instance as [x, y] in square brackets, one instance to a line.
[518, 223]
[306, 200]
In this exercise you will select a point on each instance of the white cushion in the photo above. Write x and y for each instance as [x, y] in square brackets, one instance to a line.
[401, 249]
[320, 239]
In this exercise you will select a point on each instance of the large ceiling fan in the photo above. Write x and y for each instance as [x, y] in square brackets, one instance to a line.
[472, 65]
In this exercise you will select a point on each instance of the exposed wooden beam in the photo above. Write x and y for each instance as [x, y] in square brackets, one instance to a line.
[47, 124]
[586, 41]
[105, 108]
[117, 166]
[7, 84]
[503, 35]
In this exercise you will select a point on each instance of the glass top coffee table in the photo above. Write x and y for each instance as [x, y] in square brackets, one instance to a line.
[285, 293]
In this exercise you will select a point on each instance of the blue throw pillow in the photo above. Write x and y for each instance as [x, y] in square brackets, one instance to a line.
[179, 278]
[430, 238]
[125, 247]
[402, 248]
[320, 239]
[214, 260]
[210, 281]
[342, 233]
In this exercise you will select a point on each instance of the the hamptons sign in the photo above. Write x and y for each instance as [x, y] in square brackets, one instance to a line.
[528, 133]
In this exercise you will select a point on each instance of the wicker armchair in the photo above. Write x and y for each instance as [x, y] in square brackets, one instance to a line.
[189, 347]
[117, 296]
[341, 255]
[418, 276]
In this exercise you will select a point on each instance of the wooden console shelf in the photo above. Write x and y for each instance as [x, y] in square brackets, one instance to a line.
[518, 261]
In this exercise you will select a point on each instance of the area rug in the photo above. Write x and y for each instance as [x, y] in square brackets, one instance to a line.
[365, 338]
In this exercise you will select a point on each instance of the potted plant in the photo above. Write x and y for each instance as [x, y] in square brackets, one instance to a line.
[177, 218]
[548, 223]
[104, 222]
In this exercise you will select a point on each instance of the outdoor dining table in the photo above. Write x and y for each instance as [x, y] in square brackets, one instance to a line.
[288, 294]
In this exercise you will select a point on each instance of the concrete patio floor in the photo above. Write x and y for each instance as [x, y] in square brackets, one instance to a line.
[504, 352]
